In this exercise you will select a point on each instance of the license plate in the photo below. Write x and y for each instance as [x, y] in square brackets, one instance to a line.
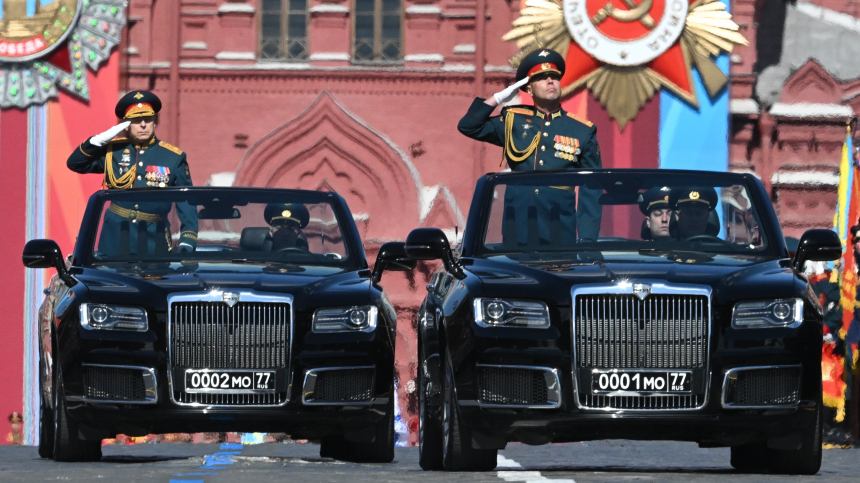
[229, 381]
[624, 380]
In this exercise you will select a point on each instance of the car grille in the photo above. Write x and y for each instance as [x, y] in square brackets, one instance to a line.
[620, 331]
[212, 335]
[113, 384]
[351, 385]
[766, 386]
[511, 386]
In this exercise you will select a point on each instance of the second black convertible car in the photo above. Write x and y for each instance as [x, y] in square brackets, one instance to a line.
[271, 323]
[685, 319]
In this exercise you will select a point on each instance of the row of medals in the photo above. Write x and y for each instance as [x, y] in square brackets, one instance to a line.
[153, 179]
[566, 151]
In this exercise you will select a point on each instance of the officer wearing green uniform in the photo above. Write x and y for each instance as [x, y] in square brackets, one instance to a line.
[541, 137]
[138, 161]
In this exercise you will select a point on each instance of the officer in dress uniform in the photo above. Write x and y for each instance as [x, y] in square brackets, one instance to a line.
[140, 160]
[693, 212]
[286, 221]
[541, 137]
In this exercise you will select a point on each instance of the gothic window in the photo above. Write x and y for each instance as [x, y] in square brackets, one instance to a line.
[284, 30]
[377, 33]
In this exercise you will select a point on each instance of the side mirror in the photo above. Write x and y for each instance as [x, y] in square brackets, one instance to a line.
[817, 245]
[432, 244]
[392, 256]
[42, 253]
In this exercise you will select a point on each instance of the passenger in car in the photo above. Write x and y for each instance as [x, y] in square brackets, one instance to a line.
[693, 207]
[658, 213]
[287, 221]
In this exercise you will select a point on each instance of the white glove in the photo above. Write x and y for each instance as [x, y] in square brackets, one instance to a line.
[103, 138]
[510, 92]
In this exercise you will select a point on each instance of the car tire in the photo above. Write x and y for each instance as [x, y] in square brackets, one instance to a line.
[68, 445]
[803, 461]
[458, 453]
[380, 450]
[429, 424]
[750, 457]
[46, 418]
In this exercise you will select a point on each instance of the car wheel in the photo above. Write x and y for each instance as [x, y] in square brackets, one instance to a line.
[46, 418]
[803, 461]
[429, 424]
[458, 453]
[380, 450]
[68, 445]
[750, 457]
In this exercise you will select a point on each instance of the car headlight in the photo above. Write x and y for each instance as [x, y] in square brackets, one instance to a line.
[511, 313]
[768, 313]
[113, 317]
[345, 319]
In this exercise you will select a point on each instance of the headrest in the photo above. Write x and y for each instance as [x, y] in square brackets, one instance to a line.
[255, 239]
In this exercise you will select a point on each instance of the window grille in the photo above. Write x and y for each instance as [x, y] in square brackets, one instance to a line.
[377, 31]
[284, 30]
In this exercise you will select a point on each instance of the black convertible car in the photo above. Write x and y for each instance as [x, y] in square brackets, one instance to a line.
[685, 319]
[217, 309]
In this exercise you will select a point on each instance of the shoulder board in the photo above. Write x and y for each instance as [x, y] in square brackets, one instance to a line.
[521, 110]
[584, 121]
[118, 140]
[169, 147]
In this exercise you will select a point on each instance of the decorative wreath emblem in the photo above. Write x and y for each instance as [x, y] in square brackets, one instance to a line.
[624, 51]
[48, 45]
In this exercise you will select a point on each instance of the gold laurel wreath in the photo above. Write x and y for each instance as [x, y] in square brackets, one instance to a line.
[708, 31]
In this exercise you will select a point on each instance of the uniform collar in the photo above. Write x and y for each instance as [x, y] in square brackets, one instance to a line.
[146, 144]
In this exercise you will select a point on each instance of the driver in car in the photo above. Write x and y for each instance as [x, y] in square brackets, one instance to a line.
[658, 213]
[693, 207]
[286, 221]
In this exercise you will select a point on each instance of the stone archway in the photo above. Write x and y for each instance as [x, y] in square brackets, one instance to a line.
[328, 148]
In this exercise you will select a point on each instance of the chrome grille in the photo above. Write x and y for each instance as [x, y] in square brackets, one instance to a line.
[660, 332]
[211, 335]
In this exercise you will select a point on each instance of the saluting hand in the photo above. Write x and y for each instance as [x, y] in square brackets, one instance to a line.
[509, 92]
[103, 138]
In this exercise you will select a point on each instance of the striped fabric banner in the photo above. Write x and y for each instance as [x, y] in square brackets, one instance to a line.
[35, 280]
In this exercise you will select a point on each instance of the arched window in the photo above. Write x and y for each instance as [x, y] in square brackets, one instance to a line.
[284, 30]
[377, 32]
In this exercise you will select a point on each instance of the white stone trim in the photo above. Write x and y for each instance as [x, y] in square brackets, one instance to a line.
[424, 10]
[329, 56]
[236, 56]
[498, 68]
[329, 8]
[424, 58]
[464, 49]
[194, 45]
[151, 65]
[829, 16]
[743, 106]
[232, 7]
[458, 68]
[803, 110]
[806, 178]
[131, 50]
[257, 66]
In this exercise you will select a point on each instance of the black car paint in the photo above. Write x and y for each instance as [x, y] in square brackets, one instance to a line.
[68, 345]
[448, 334]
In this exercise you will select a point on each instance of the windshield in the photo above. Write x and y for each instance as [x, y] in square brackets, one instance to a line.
[235, 226]
[624, 214]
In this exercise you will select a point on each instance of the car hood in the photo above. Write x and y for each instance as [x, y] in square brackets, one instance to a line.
[308, 285]
[754, 279]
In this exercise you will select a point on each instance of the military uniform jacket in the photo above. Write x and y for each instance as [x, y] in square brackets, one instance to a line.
[156, 164]
[533, 140]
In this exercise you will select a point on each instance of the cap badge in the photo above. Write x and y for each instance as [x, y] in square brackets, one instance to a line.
[543, 53]
[138, 96]
[287, 214]
[694, 195]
